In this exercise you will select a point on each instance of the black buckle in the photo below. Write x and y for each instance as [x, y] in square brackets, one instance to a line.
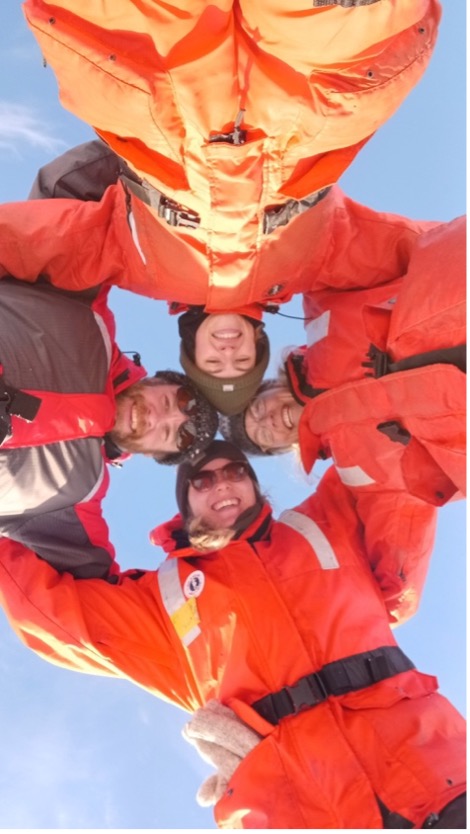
[17, 402]
[378, 364]
[237, 136]
[175, 215]
[395, 432]
[5, 418]
[5, 400]
[283, 213]
[307, 692]
[378, 667]
[335, 678]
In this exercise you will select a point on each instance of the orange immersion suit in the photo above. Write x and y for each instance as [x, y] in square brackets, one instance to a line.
[423, 450]
[285, 600]
[237, 115]
[349, 246]
[401, 434]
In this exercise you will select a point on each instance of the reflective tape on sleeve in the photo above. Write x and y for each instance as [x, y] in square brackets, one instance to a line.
[318, 328]
[312, 533]
[106, 337]
[182, 612]
[354, 476]
[135, 236]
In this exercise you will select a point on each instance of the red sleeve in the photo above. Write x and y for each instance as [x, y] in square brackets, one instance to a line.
[75, 244]
[36, 625]
[93, 626]
[90, 515]
[399, 533]
[395, 532]
[366, 247]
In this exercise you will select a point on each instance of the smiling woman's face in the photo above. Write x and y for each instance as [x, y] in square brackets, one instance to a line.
[272, 419]
[225, 501]
[225, 345]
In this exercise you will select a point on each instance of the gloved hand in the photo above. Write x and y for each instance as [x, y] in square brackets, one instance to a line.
[222, 740]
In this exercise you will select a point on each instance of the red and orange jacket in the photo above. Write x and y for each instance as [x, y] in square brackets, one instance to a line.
[421, 447]
[398, 441]
[349, 246]
[61, 350]
[243, 622]
[222, 218]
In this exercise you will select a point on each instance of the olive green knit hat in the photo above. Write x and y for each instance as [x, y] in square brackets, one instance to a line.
[229, 395]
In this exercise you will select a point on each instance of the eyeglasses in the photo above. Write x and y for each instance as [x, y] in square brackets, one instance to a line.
[207, 478]
[187, 431]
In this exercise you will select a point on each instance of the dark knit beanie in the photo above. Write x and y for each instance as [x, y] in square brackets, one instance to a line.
[232, 428]
[205, 421]
[217, 449]
[229, 395]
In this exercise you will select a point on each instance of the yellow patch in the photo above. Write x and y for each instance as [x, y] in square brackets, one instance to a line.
[186, 617]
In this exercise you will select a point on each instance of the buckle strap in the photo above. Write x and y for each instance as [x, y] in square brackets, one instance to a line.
[168, 210]
[395, 432]
[16, 402]
[237, 136]
[381, 365]
[280, 215]
[337, 678]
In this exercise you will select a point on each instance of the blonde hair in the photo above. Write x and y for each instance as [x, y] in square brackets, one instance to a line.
[206, 539]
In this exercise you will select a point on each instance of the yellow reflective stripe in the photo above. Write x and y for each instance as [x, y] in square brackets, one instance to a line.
[182, 612]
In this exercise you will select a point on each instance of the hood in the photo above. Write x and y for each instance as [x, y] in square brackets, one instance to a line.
[310, 444]
[172, 538]
[296, 371]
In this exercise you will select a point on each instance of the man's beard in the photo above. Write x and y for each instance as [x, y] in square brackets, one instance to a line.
[130, 439]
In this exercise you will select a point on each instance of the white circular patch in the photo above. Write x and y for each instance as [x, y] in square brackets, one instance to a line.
[194, 584]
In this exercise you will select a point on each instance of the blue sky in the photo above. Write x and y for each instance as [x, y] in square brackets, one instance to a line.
[86, 752]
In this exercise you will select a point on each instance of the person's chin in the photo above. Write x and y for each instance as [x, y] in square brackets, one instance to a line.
[224, 519]
[128, 443]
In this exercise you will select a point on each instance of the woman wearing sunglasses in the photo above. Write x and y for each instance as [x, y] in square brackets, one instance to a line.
[275, 634]
[380, 388]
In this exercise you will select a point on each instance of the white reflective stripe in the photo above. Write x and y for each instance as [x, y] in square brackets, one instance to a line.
[316, 539]
[135, 236]
[172, 595]
[318, 328]
[106, 337]
[191, 635]
[354, 476]
[170, 586]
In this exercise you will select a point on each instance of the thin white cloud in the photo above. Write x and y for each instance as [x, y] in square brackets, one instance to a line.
[20, 125]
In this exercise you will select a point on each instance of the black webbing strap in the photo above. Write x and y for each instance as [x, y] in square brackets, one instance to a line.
[19, 403]
[347, 675]
[381, 365]
[168, 210]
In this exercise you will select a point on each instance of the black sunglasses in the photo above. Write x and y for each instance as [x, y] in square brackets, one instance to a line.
[207, 478]
[187, 432]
